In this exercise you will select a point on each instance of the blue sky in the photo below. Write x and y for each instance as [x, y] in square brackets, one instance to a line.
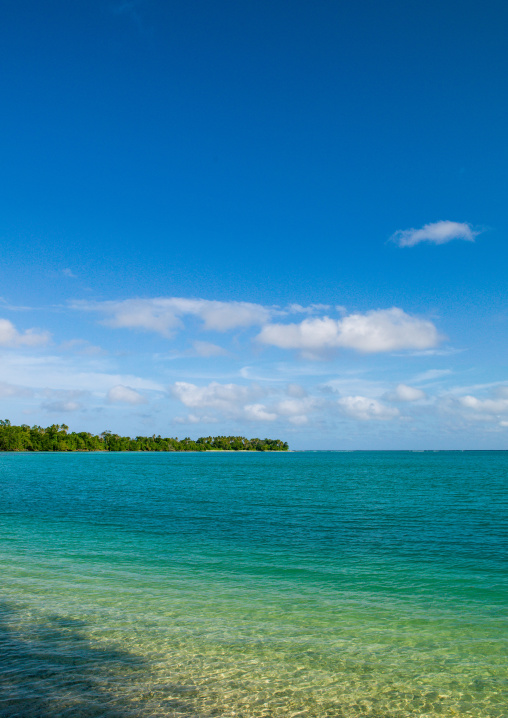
[269, 219]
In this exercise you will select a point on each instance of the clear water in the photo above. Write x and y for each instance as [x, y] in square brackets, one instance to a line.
[220, 584]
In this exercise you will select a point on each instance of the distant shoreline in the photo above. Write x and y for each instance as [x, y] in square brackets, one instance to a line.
[57, 438]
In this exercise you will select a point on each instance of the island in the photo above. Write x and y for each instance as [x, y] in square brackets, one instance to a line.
[58, 438]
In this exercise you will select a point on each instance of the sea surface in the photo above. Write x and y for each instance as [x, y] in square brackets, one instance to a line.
[250, 584]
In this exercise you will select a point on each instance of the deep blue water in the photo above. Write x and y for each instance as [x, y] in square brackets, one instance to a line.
[239, 584]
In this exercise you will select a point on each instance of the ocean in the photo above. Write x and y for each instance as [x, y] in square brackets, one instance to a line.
[309, 584]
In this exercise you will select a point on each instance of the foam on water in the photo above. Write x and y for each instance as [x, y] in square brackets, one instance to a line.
[311, 585]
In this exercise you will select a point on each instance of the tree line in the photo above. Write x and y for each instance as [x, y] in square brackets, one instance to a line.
[58, 438]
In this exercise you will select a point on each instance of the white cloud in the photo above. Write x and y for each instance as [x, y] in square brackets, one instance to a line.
[163, 315]
[492, 409]
[68, 273]
[207, 349]
[364, 409]
[376, 331]
[435, 233]
[298, 407]
[223, 316]
[225, 397]
[403, 392]
[292, 407]
[11, 337]
[258, 412]
[125, 395]
[386, 330]
[488, 406]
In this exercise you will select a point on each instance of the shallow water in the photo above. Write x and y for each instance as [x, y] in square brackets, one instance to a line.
[220, 584]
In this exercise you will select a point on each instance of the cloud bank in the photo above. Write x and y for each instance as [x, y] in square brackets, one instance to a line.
[163, 315]
[247, 402]
[435, 233]
[277, 404]
[380, 330]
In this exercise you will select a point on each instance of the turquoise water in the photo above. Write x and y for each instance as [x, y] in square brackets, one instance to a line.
[223, 584]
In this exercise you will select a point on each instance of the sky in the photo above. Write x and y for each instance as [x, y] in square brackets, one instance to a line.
[273, 219]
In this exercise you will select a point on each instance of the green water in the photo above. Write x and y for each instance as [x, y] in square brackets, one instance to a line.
[300, 584]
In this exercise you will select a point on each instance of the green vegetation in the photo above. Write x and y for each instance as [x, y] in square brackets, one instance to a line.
[57, 438]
